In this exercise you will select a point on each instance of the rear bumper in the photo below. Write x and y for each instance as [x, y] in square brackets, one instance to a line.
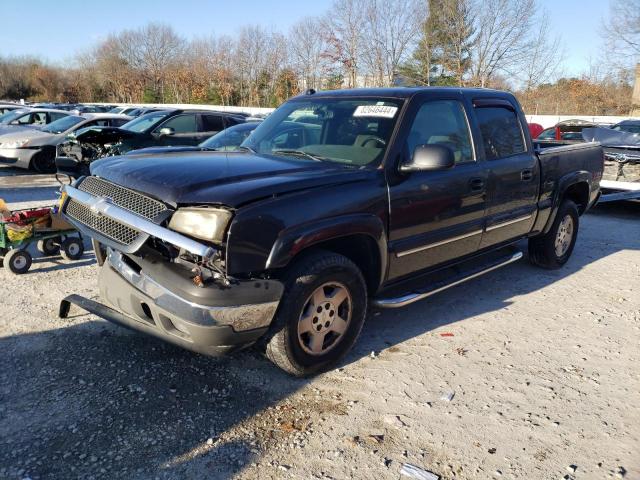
[219, 323]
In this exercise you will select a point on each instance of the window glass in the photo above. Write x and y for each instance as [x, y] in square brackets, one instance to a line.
[56, 115]
[442, 122]
[144, 122]
[348, 130]
[181, 124]
[501, 132]
[62, 125]
[212, 123]
[548, 134]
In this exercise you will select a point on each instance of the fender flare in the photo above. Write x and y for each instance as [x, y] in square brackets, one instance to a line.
[292, 241]
[573, 178]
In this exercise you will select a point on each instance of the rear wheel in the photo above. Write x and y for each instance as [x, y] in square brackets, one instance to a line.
[49, 246]
[320, 315]
[553, 249]
[18, 261]
[72, 248]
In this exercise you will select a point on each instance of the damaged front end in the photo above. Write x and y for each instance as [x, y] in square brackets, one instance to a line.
[75, 155]
[162, 281]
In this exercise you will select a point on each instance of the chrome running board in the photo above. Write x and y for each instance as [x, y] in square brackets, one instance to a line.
[438, 287]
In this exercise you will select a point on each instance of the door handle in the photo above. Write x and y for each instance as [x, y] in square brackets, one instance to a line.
[476, 184]
[526, 175]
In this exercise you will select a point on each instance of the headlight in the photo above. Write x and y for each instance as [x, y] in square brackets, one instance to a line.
[16, 144]
[205, 223]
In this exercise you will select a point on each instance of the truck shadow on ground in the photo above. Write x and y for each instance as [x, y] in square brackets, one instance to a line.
[92, 400]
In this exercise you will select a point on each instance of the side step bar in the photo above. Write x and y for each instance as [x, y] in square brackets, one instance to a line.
[438, 287]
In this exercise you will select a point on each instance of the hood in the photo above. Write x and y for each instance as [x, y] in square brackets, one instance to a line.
[4, 129]
[35, 137]
[226, 178]
[612, 138]
[101, 135]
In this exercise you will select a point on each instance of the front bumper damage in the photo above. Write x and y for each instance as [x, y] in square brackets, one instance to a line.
[152, 295]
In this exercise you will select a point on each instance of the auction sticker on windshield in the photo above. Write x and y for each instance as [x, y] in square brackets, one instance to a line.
[383, 111]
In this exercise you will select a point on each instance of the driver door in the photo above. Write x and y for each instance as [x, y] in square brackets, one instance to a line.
[436, 216]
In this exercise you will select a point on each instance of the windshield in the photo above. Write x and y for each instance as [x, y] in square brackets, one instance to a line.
[353, 131]
[10, 116]
[231, 138]
[62, 125]
[144, 122]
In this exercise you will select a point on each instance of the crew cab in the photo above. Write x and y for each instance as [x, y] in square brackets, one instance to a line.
[384, 197]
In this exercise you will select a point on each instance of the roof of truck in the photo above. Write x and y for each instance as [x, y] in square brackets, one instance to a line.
[401, 92]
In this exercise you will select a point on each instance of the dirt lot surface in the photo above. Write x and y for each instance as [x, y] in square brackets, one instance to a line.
[543, 368]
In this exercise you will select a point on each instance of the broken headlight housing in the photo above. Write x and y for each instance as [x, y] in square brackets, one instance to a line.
[201, 222]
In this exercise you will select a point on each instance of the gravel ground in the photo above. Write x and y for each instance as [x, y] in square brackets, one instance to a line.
[542, 366]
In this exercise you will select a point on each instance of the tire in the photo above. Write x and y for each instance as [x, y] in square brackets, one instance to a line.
[49, 246]
[310, 285]
[3, 253]
[553, 249]
[44, 161]
[72, 248]
[18, 261]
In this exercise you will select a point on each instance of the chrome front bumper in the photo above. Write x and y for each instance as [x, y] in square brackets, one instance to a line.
[102, 206]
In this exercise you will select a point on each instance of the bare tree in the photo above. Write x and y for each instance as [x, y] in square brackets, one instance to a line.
[502, 39]
[308, 52]
[391, 31]
[544, 55]
[345, 26]
[622, 31]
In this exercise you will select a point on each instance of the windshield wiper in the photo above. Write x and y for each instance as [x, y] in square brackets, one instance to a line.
[243, 148]
[298, 153]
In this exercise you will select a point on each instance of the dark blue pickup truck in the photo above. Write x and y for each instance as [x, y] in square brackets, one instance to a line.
[381, 197]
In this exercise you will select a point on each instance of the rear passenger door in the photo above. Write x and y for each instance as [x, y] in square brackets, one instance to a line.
[513, 182]
[210, 124]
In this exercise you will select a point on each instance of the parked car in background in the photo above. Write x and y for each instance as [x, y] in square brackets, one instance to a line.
[621, 176]
[388, 197]
[36, 149]
[162, 128]
[229, 139]
[565, 131]
[29, 118]
[9, 107]
[629, 126]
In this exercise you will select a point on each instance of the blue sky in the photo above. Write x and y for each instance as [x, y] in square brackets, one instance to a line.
[56, 31]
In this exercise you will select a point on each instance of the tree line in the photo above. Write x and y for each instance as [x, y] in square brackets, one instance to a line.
[357, 43]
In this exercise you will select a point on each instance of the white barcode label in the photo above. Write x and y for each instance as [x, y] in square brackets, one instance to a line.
[381, 111]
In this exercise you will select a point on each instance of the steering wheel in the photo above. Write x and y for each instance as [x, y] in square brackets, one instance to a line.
[373, 139]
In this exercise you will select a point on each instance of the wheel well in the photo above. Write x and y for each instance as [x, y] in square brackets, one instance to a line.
[360, 249]
[578, 193]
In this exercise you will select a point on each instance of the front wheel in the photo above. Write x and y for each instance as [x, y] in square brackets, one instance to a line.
[320, 315]
[553, 249]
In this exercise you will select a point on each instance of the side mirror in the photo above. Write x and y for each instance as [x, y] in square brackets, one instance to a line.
[429, 158]
[166, 131]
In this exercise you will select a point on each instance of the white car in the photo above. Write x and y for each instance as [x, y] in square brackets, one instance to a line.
[29, 118]
[36, 149]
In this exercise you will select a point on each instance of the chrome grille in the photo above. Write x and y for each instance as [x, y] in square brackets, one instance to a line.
[123, 197]
[112, 229]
